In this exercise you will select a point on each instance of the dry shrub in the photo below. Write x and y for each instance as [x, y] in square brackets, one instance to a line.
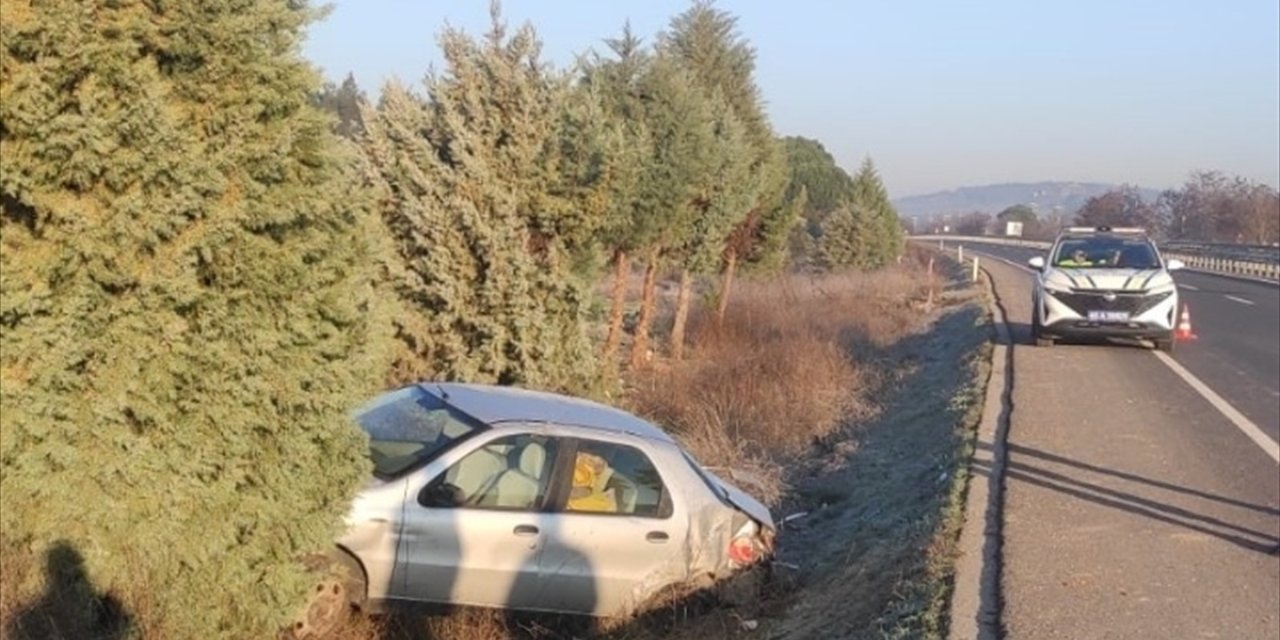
[779, 372]
[462, 624]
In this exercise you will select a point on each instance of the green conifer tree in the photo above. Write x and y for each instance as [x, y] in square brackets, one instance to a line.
[184, 305]
[718, 171]
[880, 232]
[681, 124]
[841, 243]
[619, 80]
[482, 191]
[706, 41]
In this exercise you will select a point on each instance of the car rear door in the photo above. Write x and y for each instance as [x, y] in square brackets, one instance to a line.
[617, 535]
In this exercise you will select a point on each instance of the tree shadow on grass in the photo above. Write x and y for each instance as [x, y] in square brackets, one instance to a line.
[70, 607]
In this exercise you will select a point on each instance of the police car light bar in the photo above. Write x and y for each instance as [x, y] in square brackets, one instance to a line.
[1106, 229]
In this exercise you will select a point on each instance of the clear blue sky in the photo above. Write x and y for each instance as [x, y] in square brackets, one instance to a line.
[940, 93]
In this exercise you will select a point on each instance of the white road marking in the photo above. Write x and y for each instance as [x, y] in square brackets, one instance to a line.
[1240, 300]
[1188, 287]
[1244, 424]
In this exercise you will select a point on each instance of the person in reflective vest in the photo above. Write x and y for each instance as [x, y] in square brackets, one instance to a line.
[1076, 259]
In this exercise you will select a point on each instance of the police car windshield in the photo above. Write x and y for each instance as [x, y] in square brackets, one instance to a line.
[1106, 253]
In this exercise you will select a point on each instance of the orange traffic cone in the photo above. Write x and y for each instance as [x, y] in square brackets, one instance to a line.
[1184, 333]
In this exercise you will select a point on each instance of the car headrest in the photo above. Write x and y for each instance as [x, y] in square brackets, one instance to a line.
[533, 457]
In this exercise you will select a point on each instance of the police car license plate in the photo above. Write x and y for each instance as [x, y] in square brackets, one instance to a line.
[1108, 316]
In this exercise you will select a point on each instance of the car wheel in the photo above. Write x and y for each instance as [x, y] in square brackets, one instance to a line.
[336, 594]
[1166, 346]
[1037, 333]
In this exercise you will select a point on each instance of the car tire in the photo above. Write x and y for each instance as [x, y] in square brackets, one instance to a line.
[1166, 345]
[338, 592]
[1037, 333]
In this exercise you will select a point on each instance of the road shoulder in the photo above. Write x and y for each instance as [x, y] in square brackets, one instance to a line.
[975, 602]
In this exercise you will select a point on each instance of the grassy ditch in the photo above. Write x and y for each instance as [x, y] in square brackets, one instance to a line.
[883, 490]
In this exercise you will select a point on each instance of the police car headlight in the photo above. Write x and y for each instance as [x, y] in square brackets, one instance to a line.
[1054, 289]
[1161, 289]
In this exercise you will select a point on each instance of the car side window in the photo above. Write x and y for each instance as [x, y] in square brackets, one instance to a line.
[618, 479]
[509, 473]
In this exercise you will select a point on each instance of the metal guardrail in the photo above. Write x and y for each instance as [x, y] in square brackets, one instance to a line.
[1221, 264]
[1248, 253]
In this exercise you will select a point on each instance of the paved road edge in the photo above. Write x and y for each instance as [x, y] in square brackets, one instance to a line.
[975, 601]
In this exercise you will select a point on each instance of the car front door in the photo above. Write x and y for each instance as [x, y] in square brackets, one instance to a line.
[616, 536]
[474, 533]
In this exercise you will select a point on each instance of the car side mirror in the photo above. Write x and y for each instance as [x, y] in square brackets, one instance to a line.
[1036, 262]
[1174, 264]
[441, 495]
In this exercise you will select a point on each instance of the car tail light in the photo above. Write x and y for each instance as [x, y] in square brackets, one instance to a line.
[742, 550]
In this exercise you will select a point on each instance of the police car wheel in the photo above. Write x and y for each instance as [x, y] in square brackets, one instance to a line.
[1037, 332]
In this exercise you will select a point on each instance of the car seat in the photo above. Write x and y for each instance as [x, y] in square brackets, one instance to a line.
[519, 487]
[476, 474]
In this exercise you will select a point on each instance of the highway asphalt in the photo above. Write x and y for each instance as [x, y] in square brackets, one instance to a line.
[1134, 507]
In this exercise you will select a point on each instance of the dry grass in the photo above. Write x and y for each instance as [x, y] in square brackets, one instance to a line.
[782, 371]
[463, 624]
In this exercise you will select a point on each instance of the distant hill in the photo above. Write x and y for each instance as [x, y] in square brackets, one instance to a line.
[1044, 197]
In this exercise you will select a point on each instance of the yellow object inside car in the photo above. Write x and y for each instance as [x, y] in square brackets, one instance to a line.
[590, 476]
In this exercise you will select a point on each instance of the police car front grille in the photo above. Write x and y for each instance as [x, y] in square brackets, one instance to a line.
[1133, 303]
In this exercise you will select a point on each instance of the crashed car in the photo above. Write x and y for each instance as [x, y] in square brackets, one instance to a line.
[1107, 283]
[500, 497]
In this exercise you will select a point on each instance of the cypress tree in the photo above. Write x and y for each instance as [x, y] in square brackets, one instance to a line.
[841, 243]
[479, 193]
[880, 231]
[706, 41]
[865, 232]
[681, 124]
[185, 299]
[618, 80]
[718, 171]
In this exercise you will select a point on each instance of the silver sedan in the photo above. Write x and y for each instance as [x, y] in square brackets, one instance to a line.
[500, 497]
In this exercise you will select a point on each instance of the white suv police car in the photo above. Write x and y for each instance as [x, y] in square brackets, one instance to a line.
[1104, 282]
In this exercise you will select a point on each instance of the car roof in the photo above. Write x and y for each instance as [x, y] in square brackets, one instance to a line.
[492, 404]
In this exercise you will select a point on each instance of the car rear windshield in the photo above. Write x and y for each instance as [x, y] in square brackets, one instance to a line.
[1106, 253]
[409, 426]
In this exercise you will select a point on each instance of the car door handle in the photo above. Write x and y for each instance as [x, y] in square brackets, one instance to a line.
[657, 536]
[525, 530]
